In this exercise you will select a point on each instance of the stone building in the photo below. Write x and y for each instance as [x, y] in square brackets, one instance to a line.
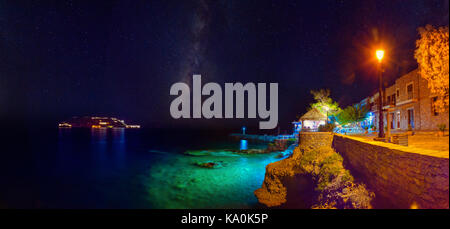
[409, 103]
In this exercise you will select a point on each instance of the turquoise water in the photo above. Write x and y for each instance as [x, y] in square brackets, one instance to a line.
[147, 168]
[177, 183]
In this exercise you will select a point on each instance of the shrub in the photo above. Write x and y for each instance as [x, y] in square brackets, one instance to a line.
[328, 127]
[442, 127]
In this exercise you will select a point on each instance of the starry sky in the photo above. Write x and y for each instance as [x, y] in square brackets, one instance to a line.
[119, 58]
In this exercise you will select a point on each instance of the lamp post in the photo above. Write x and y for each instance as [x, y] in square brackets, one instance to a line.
[380, 55]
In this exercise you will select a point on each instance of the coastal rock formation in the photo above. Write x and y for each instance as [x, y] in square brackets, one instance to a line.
[206, 164]
[278, 145]
[315, 160]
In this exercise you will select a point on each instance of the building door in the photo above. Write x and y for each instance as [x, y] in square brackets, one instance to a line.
[398, 120]
[411, 117]
[392, 120]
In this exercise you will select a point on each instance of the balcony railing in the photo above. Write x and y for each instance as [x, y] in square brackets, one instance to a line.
[389, 103]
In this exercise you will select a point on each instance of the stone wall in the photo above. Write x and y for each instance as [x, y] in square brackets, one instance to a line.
[314, 140]
[401, 177]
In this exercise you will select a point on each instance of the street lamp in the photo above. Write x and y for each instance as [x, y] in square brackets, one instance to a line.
[380, 54]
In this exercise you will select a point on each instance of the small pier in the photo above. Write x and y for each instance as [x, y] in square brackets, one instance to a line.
[265, 138]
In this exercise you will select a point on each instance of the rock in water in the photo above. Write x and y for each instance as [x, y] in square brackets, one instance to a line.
[206, 164]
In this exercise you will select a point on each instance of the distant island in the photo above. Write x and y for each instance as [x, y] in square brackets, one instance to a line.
[95, 122]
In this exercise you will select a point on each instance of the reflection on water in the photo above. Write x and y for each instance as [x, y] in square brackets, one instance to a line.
[98, 135]
[119, 168]
[118, 145]
[243, 145]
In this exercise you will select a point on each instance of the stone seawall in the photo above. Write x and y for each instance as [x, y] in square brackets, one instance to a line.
[315, 140]
[401, 177]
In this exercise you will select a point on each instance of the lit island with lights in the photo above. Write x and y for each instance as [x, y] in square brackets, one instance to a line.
[96, 122]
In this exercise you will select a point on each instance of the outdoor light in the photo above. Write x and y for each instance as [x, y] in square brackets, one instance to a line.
[380, 54]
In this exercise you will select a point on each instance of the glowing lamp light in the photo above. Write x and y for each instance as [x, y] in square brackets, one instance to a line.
[380, 54]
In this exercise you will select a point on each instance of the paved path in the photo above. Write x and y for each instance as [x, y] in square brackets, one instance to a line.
[421, 140]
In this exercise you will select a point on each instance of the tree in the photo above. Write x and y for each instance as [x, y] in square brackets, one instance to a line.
[352, 114]
[324, 103]
[432, 55]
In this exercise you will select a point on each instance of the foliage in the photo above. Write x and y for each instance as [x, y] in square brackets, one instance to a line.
[334, 183]
[328, 127]
[352, 114]
[442, 127]
[432, 55]
[324, 102]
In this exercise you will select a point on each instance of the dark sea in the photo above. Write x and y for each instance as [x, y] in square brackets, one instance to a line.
[127, 168]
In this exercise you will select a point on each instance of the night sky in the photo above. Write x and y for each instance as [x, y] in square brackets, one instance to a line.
[119, 58]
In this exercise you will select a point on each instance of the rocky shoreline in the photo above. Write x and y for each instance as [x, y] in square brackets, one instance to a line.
[313, 163]
[279, 145]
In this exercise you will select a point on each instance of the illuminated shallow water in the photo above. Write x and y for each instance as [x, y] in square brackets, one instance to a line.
[128, 169]
[185, 185]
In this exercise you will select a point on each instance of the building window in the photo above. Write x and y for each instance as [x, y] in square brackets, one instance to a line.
[433, 106]
[409, 91]
[398, 93]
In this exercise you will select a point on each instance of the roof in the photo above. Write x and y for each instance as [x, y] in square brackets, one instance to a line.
[313, 114]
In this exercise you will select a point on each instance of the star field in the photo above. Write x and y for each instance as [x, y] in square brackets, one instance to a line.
[117, 58]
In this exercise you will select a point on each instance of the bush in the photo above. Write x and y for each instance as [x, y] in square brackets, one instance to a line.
[328, 127]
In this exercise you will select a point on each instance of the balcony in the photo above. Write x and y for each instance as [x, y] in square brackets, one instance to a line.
[389, 104]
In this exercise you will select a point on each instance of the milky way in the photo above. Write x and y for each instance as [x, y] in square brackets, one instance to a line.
[197, 43]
